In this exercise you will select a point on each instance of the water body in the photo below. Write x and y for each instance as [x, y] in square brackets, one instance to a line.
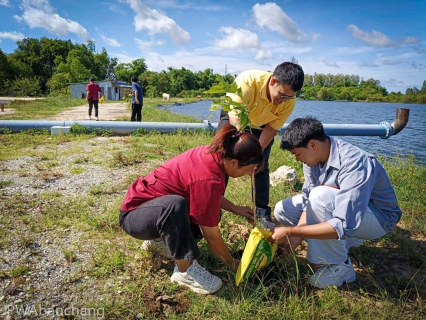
[410, 141]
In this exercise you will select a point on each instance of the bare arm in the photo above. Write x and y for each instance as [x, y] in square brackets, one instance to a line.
[268, 133]
[217, 246]
[243, 211]
[321, 230]
[136, 96]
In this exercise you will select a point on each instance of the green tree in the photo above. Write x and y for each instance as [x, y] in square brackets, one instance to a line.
[423, 89]
[5, 73]
[124, 71]
[59, 83]
[26, 87]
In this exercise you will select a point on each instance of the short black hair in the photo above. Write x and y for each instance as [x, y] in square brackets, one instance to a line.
[134, 79]
[91, 79]
[300, 131]
[291, 74]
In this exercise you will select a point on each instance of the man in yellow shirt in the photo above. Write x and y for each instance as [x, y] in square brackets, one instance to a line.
[270, 99]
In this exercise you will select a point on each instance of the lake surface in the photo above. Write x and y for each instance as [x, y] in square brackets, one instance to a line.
[410, 141]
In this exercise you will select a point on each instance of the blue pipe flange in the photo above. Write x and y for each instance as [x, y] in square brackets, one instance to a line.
[389, 129]
[208, 125]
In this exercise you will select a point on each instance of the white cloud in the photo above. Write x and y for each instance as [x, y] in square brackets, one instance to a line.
[389, 62]
[369, 64]
[419, 50]
[157, 22]
[410, 40]
[293, 50]
[374, 38]
[123, 58]
[417, 66]
[5, 3]
[18, 18]
[147, 45]
[237, 38]
[271, 16]
[15, 36]
[315, 36]
[330, 63]
[264, 54]
[43, 5]
[190, 5]
[350, 50]
[40, 14]
[110, 41]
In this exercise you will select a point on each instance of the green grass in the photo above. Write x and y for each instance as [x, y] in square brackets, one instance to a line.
[131, 283]
[40, 108]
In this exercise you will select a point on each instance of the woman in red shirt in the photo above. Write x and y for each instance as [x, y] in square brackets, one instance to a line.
[185, 195]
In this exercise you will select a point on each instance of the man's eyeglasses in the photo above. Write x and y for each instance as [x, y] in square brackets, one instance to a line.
[284, 96]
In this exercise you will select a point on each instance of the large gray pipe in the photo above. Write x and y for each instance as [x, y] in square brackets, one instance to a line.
[383, 130]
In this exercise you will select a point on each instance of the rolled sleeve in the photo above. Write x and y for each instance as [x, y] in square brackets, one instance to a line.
[337, 225]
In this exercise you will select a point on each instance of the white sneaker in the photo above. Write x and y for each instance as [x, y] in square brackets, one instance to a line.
[89, 118]
[97, 118]
[152, 245]
[197, 279]
[334, 275]
[353, 242]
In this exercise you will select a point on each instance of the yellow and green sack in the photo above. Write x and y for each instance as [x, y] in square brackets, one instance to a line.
[257, 254]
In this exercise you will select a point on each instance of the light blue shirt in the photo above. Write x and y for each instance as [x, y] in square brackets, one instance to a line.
[362, 181]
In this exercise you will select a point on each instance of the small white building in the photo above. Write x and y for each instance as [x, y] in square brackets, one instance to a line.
[112, 89]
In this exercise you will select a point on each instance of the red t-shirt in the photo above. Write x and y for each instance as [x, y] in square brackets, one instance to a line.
[196, 175]
[93, 89]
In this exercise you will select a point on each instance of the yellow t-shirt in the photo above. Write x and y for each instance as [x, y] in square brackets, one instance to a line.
[253, 84]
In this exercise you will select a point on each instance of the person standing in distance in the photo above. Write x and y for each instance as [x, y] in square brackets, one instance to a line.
[92, 96]
[270, 98]
[137, 101]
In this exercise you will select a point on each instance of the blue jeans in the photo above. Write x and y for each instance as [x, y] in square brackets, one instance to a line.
[319, 209]
[261, 179]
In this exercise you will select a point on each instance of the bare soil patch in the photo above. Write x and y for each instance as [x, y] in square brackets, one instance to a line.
[107, 112]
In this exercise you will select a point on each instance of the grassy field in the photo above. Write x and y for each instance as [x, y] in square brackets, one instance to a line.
[46, 222]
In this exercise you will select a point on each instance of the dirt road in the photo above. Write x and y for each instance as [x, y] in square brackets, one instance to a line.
[107, 112]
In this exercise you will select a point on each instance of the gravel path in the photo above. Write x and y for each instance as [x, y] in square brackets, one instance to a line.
[107, 112]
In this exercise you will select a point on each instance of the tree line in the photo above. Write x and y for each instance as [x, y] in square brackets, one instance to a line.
[353, 88]
[47, 66]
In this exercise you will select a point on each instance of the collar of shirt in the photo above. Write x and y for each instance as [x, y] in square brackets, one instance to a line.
[264, 88]
[333, 160]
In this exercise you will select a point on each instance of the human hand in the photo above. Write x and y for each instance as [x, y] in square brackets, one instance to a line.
[246, 212]
[235, 264]
[282, 236]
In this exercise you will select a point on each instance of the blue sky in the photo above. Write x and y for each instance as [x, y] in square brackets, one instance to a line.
[384, 40]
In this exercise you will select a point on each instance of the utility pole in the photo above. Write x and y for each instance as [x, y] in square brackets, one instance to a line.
[225, 70]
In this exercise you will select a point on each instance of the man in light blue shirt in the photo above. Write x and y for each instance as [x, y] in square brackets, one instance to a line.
[347, 196]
